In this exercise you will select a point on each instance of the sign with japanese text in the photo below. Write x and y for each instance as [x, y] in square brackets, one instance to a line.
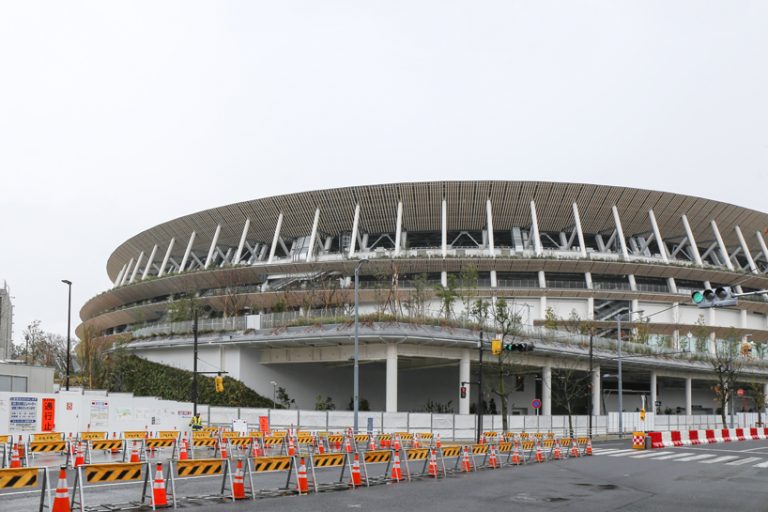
[48, 423]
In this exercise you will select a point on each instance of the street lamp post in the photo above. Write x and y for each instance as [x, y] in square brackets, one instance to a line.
[274, 394]
[69, 324]
[356, 377]
[194, 361]
[618, 359]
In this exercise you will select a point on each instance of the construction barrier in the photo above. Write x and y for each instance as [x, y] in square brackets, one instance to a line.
[377, 457]
[329, 460]
[271, 465]
[191, 468]
[47, 436]
[135, 434]
[91, 436]
[93, 474]
[168, 434]
[673, 438]
[24, 478]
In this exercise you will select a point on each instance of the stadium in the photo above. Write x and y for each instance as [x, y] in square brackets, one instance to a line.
[576, 267]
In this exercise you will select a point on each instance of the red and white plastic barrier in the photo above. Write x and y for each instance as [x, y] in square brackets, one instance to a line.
[668, 439]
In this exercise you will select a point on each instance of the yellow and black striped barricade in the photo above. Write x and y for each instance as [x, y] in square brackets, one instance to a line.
[48, 436]
[304, 438]
[335, 442]
[527, 449]
[229, 433]
[103, 445]
[361, 439]
[243, 443]
[566, 443]
[548, 447]
[91, 436]
[167, 434]
[271, 465]
[192, 468]
[376, 457]
[211, 443]
[256, 433]
[137, 445]
[343, 461]
[35, 447]
[491, 436]
[414, 455]
[159, 443]
[478, 451]
[384, 440]
[135, 434]
[504, 448]
[94, 474]
[426, 438]
[450, 452]
[24, 478]
[582, 443]
[202, 433]
[275, 444]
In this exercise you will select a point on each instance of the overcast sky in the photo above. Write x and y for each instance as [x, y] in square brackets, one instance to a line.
[117, 116]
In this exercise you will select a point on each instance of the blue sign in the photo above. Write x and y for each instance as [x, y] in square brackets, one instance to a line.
[536, 403]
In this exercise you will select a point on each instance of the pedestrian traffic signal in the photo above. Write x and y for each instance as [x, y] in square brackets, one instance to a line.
[218, 382]
[496, 346]
[463, 390]
[720, 297]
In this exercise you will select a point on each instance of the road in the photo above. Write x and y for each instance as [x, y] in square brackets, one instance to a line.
[712, 477]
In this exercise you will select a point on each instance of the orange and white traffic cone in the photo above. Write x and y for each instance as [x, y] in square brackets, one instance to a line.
[61, 500]
[433, 463]
[482, 439]
[574, 448]
[357, 480]
[397, 442]
[15, 459]
[557, 452]
[80, 455]
[539, 452]
[338, 445]
[371, 443]
[159, 495]
[134, 453]
[115, 450]
[20, 447]
[415, 444]
[238, 483]
[466, 465]
[320, 446]
[224, 454]
[516, 454]
[493, 462]
[183, 454]
[438, 443]
[302, 484]
[588, 450]
[291, 447]
[256, 450]
[397, 474]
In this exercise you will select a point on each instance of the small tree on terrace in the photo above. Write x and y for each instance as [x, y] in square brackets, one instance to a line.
[570, 385]
[727, 367]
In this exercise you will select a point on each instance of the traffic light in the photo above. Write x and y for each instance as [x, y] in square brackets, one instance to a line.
[720, 297]
[496, 346]
[463, 391]
[519, 346]
[218, 382]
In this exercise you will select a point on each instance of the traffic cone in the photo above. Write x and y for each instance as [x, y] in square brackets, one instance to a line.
[256, 451]
[302, 484]
[224, 454]
[80, 455]
[482, 439]
[539, 452]
[397, 442]
[320, 446]
[291, 447]
[415, 441]
[20, 447]
[357, 481]
[134, 453]
[589, 447]
[183, 454]
[347, 445]
[493, 462]
[371, 443]
[466, 465]
[439, 443]
[574, 448]
[516, 454]
[159, 495]
[115, 450]
[397, 475]
[238, 484]
[433, 463]
[15, 459]
[558, 454]
[61, 500]
[338, 445]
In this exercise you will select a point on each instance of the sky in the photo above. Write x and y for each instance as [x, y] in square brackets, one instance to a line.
[118, 116]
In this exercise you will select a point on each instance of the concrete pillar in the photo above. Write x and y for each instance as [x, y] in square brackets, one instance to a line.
[464, 377]
[688, 396]
[546, 390]
[391, 385]
[596, 391]
[654, 393]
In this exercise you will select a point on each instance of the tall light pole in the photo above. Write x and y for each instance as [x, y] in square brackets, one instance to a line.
[356, 377]
[69, 325]
[274, 394]
[618, 358]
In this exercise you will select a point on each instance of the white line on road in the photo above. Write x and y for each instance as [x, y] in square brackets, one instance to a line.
[650, 454]
[610, 452]
[623, 453]
[719, 459]
[761, 465]
[697, 457]
[675, 456]
[743, 461]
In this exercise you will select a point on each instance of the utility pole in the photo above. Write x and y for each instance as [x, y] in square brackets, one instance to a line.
[591, 380]
[480, 388]
[194, 362]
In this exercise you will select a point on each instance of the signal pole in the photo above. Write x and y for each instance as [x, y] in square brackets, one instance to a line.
[480, 388]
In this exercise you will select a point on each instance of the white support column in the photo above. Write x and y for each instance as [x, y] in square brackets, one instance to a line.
[119, 278]
[464, 377]
[136, 267]
[243, 236]
[588, 280]
[444, 217]
[127, 271]
[187, 252]
[399, 228]
[620, 232]
[688, 396]
[546, 390]
[355, 224]
[313, 235]
[596, 393]
[579, 231]
[657, 234]
[166, 258]
[761, 242]
[721, 244]
[150, 261]
[537, 250]
[491, 244]
[211, 250]
[745, 250]
[275, 238]
[590, 308]
[654, 392]
[391, 385]
[692, 242]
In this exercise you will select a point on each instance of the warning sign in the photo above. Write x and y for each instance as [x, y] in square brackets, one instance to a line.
[49, 415]
[23, 413]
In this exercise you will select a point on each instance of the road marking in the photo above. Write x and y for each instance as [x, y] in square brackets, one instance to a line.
[743, 461]
[610, 452]
[697, 457]
[761, 465]
[719, 459]
[675, 456]
[623, 453]
[648, 455]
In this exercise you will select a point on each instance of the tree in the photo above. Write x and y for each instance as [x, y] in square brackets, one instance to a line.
[756, 391]
[727, 366]
[467, 287]
[283, 399]
[447, 296]
[91, 354]
[324, 404]
[418, 297]
[507, 323]
[569, 386]
[44, 348]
